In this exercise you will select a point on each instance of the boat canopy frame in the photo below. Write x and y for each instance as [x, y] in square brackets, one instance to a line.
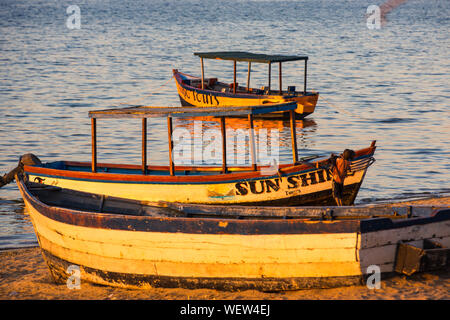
[252, 57]
[144, 112]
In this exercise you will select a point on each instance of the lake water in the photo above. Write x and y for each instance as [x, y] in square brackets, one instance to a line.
[389, 84]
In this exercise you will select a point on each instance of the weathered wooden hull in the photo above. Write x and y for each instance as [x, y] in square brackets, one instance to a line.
[193, 96]
[294, 185]
[230, 254]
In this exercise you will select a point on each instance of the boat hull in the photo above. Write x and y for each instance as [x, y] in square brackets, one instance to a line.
[227, 254]
[305, 187]
[300, 184]
[192, 96]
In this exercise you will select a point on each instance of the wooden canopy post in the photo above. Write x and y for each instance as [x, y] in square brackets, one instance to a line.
[293, 137]
[234, 76]
[252, 143]
[270, 73]
[248, 76]
[144, 145]
[224, 145]
[304, 80]
[169, 131]
[94, 144]
[280, 77]
[203, 74]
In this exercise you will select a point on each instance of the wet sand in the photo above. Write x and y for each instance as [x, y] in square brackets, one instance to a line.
[24, 275]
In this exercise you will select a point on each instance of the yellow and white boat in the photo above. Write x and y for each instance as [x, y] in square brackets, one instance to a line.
[302, 182]
[126, 243]
[202, 91]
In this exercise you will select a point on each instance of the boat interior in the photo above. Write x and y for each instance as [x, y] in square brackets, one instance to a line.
[214, 85]
[97, 203]
[159, 170]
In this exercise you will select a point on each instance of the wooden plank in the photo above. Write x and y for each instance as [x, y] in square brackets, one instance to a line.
[234, 76]
[204, 270]
[150, 111]
[280, 78]
[248, 56]
[218, 241]
[305, 211]
[386, 254]
[203, 74]
[94, 144]
[144, 145]
[305, 76]
[224, 144]
[416, 232]
[293, 137]
[248, 76]
[200, 248]
[170, 130]
[252, 143]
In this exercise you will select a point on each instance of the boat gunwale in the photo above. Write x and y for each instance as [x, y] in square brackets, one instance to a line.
[212, 225]
[284, 170]
[242, 95]
[187, 225]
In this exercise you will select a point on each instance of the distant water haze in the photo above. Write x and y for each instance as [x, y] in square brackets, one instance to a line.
[389, 84]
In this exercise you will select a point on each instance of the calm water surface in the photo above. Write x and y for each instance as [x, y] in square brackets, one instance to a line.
[390, 85]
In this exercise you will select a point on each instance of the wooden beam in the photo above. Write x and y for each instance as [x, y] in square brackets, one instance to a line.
[224, 145]
[94, 144]
[252, 143]
[248, 76]
[304, 80]
[293, 137]
[144, 145]
[234, 77]
[203, 74]
[270, 73]
[169, 131]
[280, 77]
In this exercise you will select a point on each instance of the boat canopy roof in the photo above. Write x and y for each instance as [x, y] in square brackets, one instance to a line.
[248, 56]
[181, 112]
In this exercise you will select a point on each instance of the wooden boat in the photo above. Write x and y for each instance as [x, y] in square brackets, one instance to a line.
[302, 182]
[202, 91]
[126, 243]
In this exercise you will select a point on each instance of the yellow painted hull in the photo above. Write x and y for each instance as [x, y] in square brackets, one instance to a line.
[219, 253]
[313, 187]
[221, 261]
[191, 96]
[300, 184]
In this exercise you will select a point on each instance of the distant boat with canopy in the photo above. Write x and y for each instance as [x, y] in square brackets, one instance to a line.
[209, 91]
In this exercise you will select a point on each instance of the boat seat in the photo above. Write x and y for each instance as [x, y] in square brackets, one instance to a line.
[256, 91]
[211, 81]
[265, 90]
[232, 86]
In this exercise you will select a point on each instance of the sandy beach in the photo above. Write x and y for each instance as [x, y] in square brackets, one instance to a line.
[24, 275]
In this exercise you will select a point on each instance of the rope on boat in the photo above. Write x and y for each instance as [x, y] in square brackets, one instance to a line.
[28, 159]
[361, 164]
[156, 92]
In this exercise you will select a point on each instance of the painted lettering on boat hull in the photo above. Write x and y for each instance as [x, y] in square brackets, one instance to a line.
[288, 185]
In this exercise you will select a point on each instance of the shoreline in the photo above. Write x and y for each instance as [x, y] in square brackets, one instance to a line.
[24, 275]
